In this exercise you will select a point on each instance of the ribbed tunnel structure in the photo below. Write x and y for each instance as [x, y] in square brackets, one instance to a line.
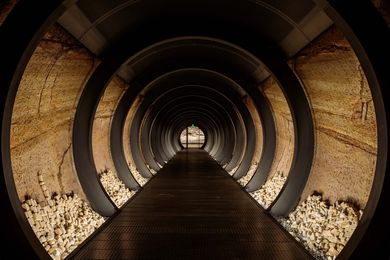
[289, 95]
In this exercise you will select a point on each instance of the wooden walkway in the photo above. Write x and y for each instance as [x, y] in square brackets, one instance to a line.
[192, 209]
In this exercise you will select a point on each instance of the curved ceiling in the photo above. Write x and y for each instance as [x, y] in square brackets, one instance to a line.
[100, 24]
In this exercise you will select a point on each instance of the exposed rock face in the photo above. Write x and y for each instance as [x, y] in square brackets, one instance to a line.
[344, 116]
[322, 228]
[61, 222]
[115, 188]
[247, 177]
[232, 171]
[41, 143]
[346, 143]
[42, 119]
[284, 149]
[126, 134]
[137, 176]
[270, 190]
[259, 135]
[102, 124]
[152, 171]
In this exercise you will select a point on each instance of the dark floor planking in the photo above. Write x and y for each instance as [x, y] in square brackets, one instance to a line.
[192, 209]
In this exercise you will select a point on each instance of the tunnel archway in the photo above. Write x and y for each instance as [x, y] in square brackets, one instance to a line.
[192, 137]
[234, 78]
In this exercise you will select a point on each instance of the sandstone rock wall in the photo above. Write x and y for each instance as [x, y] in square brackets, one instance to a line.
[283, 125]
[344, 117]
[258, 128]
[126, 130]
[102, 124]
[42, 119]
[259, 142]
[346, 141]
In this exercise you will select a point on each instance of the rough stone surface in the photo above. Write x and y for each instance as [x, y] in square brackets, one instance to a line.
[232, 171]
[270, 190]
[126, 142]
[42, 119]
[152, 171]
[259, 135]
[322, 228]
[247, 177]
[115, 188]
[137, 176]
[60, 221]
[284, 149]
[102, 124]
[126, 138]
[346, 141]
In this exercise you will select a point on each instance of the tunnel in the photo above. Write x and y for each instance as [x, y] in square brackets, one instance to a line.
[242, 129]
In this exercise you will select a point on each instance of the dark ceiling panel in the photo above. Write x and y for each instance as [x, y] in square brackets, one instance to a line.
[197, 15]
[295, 10]
[94, 9]
[195, 50]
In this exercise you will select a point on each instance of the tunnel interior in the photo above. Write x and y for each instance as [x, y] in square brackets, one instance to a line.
[192, 137]
[287, 97]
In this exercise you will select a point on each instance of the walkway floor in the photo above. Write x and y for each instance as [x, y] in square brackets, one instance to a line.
[192, 209]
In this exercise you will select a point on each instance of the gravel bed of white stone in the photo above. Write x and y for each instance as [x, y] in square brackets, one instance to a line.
[232, 171]
[137, 176]
[115, 188]
[270, 190]
[322, 228]
[150, 169]
[61, 222]
[246, 178]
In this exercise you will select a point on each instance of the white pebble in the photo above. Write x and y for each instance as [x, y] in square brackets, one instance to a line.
[138, 177]
[270, 190]
[247, 177]
[60, 217]
[115, 188]
[324, 229]
[150, 169]
[232, 171]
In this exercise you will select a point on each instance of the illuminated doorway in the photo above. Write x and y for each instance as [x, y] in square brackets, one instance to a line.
[192, 137]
